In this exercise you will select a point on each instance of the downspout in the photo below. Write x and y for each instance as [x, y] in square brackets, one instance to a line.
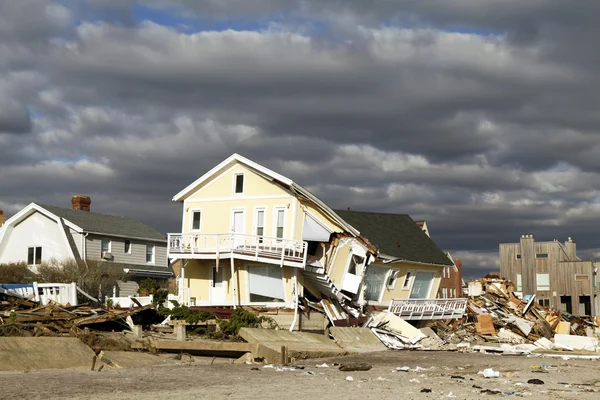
[295, 300]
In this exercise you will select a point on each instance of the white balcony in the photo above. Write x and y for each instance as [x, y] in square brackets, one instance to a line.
[234, 245]
[427, 309]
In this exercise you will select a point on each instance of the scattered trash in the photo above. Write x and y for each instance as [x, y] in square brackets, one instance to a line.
[535, 382]
[349, 378]
[425, 390]
[403, 369]
[491, 391]
[489, 373]
[457, 377]
[324, 365]
[450, 395]
[269, 366]
[309, 373]
[414, 380]
[380, 378]
[254, 369]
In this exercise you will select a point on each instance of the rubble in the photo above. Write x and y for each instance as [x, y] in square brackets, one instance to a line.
[495, 321]
[23, 317]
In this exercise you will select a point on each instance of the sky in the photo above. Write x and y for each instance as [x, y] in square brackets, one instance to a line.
[478, 116]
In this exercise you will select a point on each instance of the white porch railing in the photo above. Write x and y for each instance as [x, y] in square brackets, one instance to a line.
[427, 309]
[127, 302]
[284, 251]
[61, 293]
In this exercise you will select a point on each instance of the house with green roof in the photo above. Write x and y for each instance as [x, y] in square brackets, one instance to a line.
[42, 233]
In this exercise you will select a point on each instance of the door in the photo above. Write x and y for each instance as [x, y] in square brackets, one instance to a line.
[421, 285]
[217, 287]
[237, 227]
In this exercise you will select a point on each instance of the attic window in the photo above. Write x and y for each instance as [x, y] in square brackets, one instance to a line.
[239, 183]
[34, 255]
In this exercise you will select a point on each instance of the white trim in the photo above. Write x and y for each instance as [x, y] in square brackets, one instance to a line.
[125, 246]
[191, 217]
[283, 304]
[235, 175]
[237, 198]
[153, 254]
[318, 221]
[408, 280]
[393, 286]
[234, 157]
[109, 245]
[294, 218]
[232, 211]
[276, 210]
[255, 220]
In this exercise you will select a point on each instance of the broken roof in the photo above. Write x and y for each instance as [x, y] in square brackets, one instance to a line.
[106, 224]
[396, 236]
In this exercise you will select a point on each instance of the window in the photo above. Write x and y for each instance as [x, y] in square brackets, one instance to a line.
[105, 246]
[392, 279]
[34, 255]
[544, 302]
[519, 283]
[541, 255]
[279, 223]
[518, 256]
[128, 246]
[582, 277]
[149, 253]
[421, 285]
[355, 262]
[375, 280]
[444, 293]
[407, 280]
[239, 183]
[543, 281]
[196, 216]
[265, 284]
[260, 225]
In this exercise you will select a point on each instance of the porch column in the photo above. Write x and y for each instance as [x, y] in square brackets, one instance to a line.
[233, 283]
[182, 299]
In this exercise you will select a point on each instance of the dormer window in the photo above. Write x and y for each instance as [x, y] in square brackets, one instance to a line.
[238, 183]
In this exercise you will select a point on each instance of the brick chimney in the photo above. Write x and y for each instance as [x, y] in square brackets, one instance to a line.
[457, 281]
[81, 203]
[2, 218]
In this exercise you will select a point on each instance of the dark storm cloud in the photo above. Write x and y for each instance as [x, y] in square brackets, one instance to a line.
[479, 117]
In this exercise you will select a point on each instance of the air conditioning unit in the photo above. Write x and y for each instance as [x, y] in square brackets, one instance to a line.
[107, 255]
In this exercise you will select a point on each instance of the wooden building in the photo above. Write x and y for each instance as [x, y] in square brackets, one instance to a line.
[553, 272]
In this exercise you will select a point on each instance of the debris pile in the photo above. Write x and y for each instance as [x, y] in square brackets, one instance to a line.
[498, 316]
[496, 320]
[23, 317]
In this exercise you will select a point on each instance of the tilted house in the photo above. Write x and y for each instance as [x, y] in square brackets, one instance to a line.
[43, 233]
[409, 265]
[252, 237]
[248, 235]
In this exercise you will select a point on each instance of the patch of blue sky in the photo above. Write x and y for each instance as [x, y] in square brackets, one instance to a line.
[69, 160]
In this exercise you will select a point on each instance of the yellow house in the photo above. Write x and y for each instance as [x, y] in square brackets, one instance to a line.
[409, 265]
[252, 237]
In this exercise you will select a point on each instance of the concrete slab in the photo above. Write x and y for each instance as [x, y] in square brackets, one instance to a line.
[356, 339]
[300, 345]
[37, 353]
[135, 359]
[200, 347]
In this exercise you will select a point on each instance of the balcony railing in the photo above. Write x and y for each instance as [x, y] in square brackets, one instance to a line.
[426, 309]
[276, 250]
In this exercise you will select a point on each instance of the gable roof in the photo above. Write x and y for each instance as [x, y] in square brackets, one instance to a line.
[106, 224]
[396, 236]
[269, 175]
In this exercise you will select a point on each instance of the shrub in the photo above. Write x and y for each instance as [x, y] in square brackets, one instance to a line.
[242, 318]
[181, 312]
[15, 273]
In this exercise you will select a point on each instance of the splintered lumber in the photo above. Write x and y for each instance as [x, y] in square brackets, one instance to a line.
[355, 367]
[485, 325]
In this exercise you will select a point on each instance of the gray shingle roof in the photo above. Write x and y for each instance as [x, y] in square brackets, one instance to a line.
[396, 235]
[106, 224]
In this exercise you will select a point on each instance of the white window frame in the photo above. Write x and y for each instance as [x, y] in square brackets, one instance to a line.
[34, 247]
[192, 211]
[266, 304]
[519, 283]
[379, 300]
[444, 293]
[232, 211]
[109, 245]
[408, 280]
[125, 246]
[235, 175]
[153, 254]
[394, 272]
[537, 284]
[275, 213]
[255, 221]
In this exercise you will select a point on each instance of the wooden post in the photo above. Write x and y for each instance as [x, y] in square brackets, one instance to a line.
[233, 283]
[284, 356]
[94, 362]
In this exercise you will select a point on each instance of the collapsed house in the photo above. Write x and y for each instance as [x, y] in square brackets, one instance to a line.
[252, 237]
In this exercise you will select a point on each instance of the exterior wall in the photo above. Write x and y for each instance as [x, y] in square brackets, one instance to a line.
[198, 278]
[339, 263]
[216, 200]
[138, 251]
[451, 281]
[36, 230]
[561, 265]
